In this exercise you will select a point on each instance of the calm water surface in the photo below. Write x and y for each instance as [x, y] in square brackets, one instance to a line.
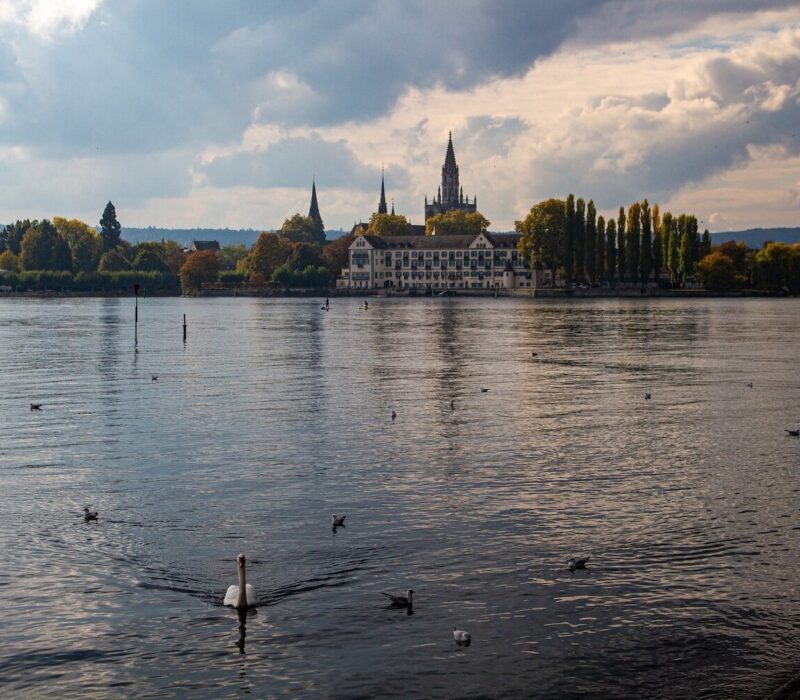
[276, 414]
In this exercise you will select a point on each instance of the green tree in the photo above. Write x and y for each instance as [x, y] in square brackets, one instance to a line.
[685, 257]
[12, 235]
[269, 252]
[632, 241]
[590, 242]
[42, 248]
[150, 256]
[304, 255]
[86, 251]
[579, 235]
[388, 225]
[113, 260]
[9, 261]
[622, 263]
[600, 247]
[658, 247]
[777, 267]
[705, 244]
[200, 268]
[110, 229]
[337, 254]
[302, 229]
[72, 230]
[569, 240]
[230, 255]
[611, 250]
[716, 272]
[457, 222]
[542, 235]
[646, 252]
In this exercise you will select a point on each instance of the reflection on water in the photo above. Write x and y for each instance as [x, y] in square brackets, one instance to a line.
[276, 414]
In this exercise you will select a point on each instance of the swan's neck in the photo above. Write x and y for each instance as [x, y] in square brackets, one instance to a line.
[242, 601]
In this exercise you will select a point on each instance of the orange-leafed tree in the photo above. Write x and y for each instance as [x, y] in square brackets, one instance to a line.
[200, 268]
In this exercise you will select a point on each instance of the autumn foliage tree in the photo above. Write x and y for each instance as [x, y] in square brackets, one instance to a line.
[457, 222]
[200, 268]
[388, 225]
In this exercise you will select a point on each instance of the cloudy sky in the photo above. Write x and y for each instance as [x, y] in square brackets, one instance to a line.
[204, 113]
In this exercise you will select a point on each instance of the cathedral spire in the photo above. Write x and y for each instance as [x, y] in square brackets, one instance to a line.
[313, 210]
[382, 204]
[450, 157]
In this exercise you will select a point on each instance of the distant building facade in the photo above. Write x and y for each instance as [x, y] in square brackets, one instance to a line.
[485, 261]
[450, 196]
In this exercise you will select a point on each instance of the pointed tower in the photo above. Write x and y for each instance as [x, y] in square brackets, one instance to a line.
[382, 203]
[313, 210]
[450, 195]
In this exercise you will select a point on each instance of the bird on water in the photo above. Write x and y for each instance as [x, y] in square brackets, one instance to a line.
[337, 520]
[647, 396]
[89, 515]
[452, 404]
[401, 601]
[578, 563]
[793, 433]
[483, 391]
[461, 636]
[244, 595]
[154, 378]
[394, 415]
[36, 407]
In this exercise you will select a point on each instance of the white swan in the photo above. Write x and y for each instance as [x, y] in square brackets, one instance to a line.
[461, 636]
[244, 595]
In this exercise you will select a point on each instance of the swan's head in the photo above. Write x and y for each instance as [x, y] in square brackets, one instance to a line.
[240, 561]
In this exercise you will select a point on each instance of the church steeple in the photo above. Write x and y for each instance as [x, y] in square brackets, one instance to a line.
[313, 210]
[382, 204]
[450, 187]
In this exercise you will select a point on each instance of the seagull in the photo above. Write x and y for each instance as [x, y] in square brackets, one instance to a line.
[401, 601]
[647, 396]
[461, 637]
[577, 563]
[89, 515]
[794, 433]
[483, 391]
[394, 415]
[154, 378]
[337, 520]
[36, 407]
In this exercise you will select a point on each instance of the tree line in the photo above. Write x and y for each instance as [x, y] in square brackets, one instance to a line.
[70, 255]
[635, 248]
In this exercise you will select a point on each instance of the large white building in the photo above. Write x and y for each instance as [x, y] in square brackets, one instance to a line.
[485, 261]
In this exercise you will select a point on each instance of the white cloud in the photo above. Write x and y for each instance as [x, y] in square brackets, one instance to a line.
[47, 17]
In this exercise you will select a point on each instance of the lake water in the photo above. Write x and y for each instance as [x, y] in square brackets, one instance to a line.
[276, 414]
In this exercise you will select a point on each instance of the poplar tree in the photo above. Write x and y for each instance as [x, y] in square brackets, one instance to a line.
[646, 252]
[666, 230]
[590, 242]
[569, 240]
[600, 249]
[579, 233]
[658, 247]
[611, 250]
[656, 221]
[632, 241]
[685, 259]
[705, 244]
[621, 261]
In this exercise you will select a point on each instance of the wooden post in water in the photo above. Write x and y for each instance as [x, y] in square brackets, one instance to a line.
[136, 317]
[184, 328]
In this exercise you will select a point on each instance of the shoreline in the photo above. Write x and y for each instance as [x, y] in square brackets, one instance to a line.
[564, 294]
